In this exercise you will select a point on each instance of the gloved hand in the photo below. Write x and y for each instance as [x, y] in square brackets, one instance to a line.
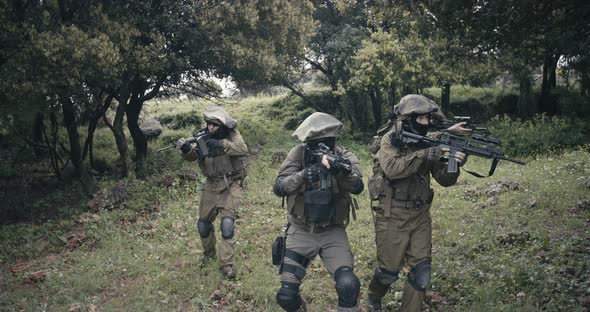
[311, 174]
[434, 153]
[183, 146]
[215, 147]
[395, 140]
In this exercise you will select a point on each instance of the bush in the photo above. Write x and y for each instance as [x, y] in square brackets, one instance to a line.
[574, 105]
[537, 135]
[477, 110]
[182, 120]
[505, 104]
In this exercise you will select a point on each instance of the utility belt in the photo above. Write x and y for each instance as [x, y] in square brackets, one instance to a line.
[233, 176]
[409, 204]
[391, 202]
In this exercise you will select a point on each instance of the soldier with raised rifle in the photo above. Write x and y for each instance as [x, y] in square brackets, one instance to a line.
[221, 153]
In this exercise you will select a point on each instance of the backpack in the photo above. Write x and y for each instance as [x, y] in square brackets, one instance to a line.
[375, 182]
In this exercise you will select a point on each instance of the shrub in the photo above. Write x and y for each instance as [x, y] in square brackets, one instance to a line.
[477, 110]
[574, 105]
[182, 120]
[505, 104]
[537, 135]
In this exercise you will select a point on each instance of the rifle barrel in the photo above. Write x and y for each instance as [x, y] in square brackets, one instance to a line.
[165, 148]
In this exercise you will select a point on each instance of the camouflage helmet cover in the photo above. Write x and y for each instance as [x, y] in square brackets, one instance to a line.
[318, 126]
[414, 104]
[219, 115]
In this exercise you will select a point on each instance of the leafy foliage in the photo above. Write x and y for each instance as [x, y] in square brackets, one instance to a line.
[537, 135]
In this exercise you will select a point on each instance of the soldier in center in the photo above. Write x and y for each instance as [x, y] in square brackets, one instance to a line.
[317, 190]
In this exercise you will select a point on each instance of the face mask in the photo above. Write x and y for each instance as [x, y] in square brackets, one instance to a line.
[418, 127]
[221, 133]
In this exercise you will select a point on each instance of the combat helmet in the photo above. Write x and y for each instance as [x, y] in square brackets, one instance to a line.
[415, 104]
[318, 126]
[218, 115]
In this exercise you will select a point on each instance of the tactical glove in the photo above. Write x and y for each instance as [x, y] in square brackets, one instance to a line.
[434, 153]
[183, 146]
[311, 174]
[215, 147]
[395, 140]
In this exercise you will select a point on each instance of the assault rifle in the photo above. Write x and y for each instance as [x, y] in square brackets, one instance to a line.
[200, 139]
[477, 145]
[335, 161]
[446, 123]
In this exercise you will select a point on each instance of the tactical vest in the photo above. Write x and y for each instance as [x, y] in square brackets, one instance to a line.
[410, 192]
[230, 166]
[342, 201]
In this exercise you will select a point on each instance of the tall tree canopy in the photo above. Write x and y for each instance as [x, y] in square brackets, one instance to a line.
[130, 50]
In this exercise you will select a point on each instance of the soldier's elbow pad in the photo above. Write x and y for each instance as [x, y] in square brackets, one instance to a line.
[278, 188]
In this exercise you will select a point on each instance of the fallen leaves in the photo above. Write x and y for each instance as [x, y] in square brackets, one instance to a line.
[35, 277]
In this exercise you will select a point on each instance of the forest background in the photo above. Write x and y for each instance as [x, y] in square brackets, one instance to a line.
[92, 218]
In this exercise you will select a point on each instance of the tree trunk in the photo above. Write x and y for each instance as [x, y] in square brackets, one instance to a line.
[525, 100]
[102, 106]
[37, 135]
[553, 72]
[349, 109]
[585, 83]
[548, 82]
[139, 140]
[75, 148]
[445, 96]
[376, 105]
[119, 134]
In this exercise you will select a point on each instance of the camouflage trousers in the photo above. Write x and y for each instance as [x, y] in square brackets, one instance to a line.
[226, 204]
[403, 238]
[331, 244]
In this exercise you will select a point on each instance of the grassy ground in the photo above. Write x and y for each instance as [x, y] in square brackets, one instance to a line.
[517, 241]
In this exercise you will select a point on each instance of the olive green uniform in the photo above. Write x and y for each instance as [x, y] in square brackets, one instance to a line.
[329, 240]
[222, 191]
[403, 228]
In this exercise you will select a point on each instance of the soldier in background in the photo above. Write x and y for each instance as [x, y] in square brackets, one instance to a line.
[401, 185]
[224, 167]
[318, 204]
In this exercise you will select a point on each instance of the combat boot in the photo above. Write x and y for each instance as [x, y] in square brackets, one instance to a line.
[228, 271]
[373, 304]
[204, 261]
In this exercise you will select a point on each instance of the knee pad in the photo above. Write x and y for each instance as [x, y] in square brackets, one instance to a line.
[288, 296]
[205, 228]
[385, 277]
[227, 227]
[419, 276]
[348, 287]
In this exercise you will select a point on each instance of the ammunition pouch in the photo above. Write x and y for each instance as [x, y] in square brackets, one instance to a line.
[375, 186]
[318, 206]
[278, 250]
[214, 167]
